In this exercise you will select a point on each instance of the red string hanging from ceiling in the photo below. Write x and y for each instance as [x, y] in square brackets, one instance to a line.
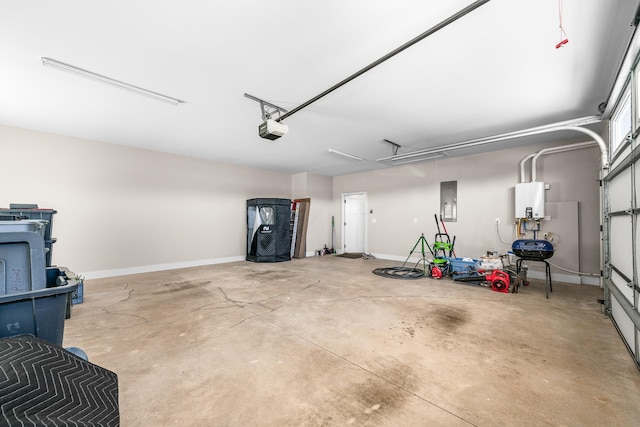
[563, 35]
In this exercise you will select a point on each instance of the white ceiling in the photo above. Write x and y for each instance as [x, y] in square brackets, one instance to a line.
[494, 70]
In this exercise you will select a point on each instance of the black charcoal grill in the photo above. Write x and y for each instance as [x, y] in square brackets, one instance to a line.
[534, 250]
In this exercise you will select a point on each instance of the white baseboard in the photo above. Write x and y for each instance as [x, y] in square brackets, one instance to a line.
[396, 258]
[534, 274]
[411, 262]
[157, 267]
[566, 278]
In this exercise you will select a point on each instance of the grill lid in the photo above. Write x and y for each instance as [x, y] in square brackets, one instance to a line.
[531, 248]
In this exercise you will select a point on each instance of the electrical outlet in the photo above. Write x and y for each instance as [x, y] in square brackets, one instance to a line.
[497, 220]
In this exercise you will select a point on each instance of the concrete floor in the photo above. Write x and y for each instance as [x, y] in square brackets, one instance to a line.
[322, 341]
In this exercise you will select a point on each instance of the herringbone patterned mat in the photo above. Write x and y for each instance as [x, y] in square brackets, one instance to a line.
[42, 384]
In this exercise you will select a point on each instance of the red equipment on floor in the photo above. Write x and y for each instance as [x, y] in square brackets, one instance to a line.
[499, 281]
[436, 273]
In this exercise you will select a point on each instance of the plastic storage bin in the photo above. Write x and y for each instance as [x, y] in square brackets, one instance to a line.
[463, 265]
[60, 276]
[33, 225]
[32, 212]
[38, 226]
[40, 313]
[78, 296]
[22, 263]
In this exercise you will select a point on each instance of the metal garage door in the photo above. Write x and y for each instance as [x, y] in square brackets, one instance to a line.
[621, 254]
[620, 219]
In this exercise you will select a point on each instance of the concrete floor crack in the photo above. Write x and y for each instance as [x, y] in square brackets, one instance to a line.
[237, 303]
[271, 310]
[290, 292]
[243, 305]
[114, 313]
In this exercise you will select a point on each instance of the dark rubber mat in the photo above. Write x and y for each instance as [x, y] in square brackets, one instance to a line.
[42, 384]
[351, 255]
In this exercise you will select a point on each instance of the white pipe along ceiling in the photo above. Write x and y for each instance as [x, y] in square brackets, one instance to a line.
[572, 125]
[554, 150]
[486, 68]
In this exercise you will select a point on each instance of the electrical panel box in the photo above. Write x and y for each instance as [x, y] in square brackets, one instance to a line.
[530, 200]
[449, 201]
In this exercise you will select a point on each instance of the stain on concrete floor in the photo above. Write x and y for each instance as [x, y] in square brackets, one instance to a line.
[321, 342]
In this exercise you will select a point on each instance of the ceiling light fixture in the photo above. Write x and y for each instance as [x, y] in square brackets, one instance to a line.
[52, 63]
[340, 153]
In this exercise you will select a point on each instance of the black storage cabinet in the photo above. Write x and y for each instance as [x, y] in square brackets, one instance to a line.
[268, 234]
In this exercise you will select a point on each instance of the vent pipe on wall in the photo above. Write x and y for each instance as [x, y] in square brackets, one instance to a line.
[553, 150]
[549, 150]
[523, 177]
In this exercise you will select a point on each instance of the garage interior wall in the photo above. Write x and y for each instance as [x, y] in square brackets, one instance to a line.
[404, 200]
[124, 210]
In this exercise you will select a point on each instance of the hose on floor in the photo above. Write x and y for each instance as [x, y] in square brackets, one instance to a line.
[400, 272]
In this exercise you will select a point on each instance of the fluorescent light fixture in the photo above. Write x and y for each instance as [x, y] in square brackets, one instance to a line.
[48, 62]
[340, 153]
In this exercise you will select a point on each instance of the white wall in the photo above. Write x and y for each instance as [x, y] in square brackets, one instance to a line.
[573, 176]
[485, 192]
[125, 210]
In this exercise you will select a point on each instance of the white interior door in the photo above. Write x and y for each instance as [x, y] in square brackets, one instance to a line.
[354, 223]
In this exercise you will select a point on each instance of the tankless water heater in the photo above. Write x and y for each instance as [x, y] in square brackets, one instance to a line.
[530, 200]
